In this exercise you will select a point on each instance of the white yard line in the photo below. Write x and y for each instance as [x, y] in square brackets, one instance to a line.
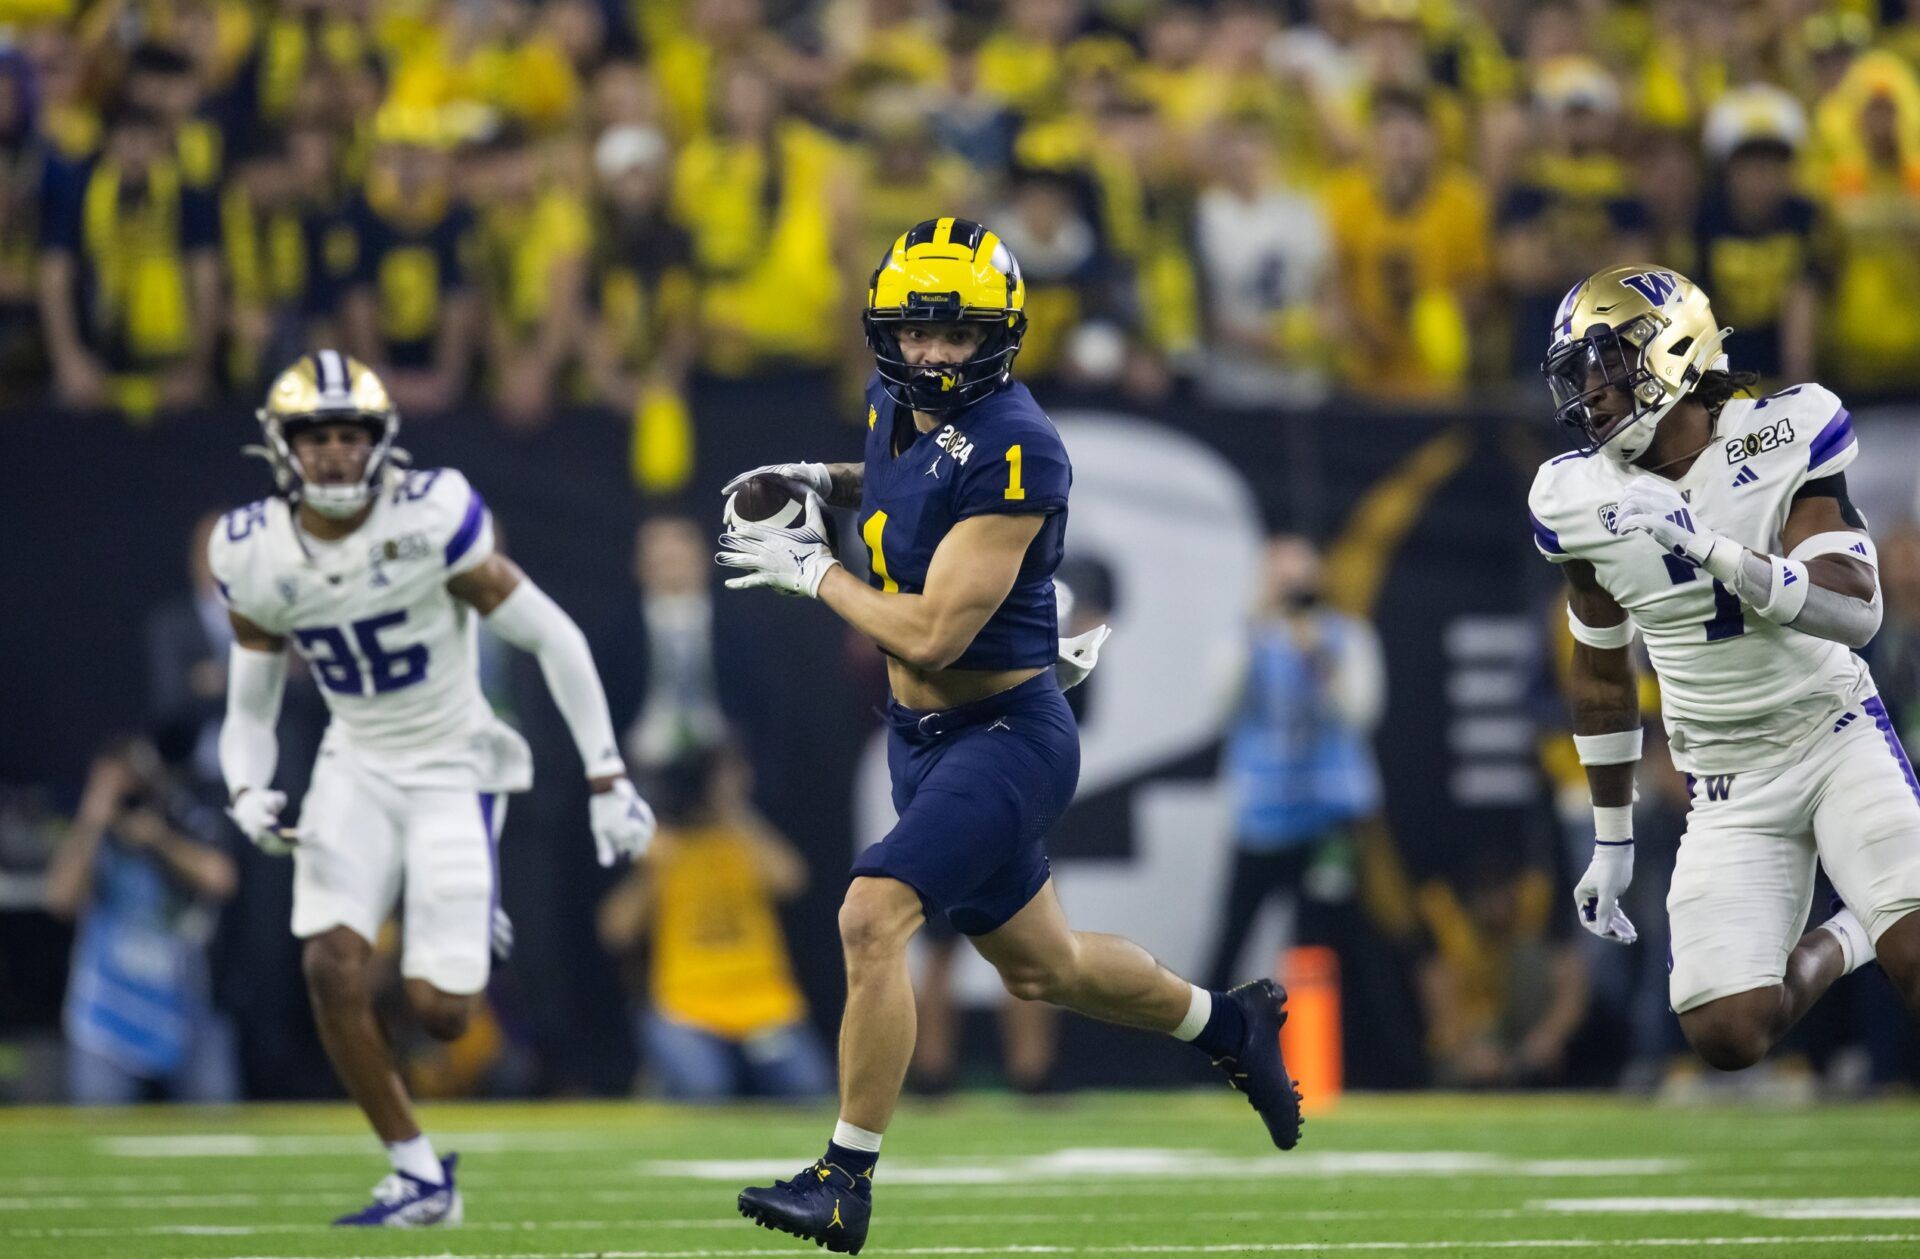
[1172, 1164]
[1222, 1248]
[1759, 1208]
[329, 1145]
[730, 1221]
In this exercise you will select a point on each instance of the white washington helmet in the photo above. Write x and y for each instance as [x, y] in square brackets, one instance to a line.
[1645, 330]
[327, 387]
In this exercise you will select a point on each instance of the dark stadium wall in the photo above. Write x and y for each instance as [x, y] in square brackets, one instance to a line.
[1425, 519]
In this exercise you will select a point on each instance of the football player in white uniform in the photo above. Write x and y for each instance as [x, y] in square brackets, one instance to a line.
[1719, 528]
[378, 575]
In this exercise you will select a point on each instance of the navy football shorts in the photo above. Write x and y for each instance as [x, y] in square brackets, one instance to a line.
[977, 787]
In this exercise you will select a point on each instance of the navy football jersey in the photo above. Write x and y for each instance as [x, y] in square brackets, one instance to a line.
[1002, 454]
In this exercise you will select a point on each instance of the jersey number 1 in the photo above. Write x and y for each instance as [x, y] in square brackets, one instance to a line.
[874, 534]
[1728, 621]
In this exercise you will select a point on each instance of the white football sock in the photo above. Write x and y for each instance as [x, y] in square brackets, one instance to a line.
[848, 1137]
[1198, 1012]
[1856, 946]
[416, 1158]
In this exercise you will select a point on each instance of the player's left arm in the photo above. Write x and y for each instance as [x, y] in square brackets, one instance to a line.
[1827, 585]
[972, 570]
[523, 614]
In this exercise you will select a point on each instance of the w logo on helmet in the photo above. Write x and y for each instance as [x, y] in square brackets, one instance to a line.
[1655, 286]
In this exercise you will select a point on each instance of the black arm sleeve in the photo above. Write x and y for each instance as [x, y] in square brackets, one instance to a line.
[1834, 487]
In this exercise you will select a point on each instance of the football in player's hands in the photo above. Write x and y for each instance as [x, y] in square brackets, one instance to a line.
[766, 500]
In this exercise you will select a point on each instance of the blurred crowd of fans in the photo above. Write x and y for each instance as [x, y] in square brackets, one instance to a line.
[531, 203]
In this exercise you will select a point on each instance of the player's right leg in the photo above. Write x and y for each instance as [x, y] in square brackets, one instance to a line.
[347, 872]
[1742, 973]
[830, 1203]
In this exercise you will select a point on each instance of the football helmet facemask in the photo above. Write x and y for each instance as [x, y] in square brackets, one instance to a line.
[327, 387]
[1644, 330]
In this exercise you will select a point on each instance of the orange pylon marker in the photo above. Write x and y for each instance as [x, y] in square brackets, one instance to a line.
[1311, 1038]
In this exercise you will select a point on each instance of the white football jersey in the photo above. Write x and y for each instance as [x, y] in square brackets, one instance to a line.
[394, 653]
[1737, 691]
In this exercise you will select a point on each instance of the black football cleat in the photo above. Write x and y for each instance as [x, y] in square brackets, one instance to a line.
[1257, 1070]
[825, 1204]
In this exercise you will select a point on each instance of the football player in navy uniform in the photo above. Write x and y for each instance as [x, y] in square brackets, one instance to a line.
[962, 501]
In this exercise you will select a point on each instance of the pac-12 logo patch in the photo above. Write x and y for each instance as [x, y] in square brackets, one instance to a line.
[1610, 518]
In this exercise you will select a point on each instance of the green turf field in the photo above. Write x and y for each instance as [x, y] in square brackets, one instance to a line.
[1100, 1174]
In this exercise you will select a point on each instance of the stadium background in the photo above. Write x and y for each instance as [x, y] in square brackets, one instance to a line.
[1286, 262]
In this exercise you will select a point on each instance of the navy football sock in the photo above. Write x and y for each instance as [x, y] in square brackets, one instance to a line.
[856, 1163]
[1226, 1027]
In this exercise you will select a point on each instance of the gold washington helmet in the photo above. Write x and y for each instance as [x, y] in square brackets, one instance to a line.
[1642, 329]
[944, 271]
[327, 387]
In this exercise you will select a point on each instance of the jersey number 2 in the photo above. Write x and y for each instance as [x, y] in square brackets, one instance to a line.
[339, 666]
[1728, 621]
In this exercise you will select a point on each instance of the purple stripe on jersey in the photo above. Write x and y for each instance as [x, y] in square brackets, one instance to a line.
[1832, 439]
[493, 844]
[1878, 711]
[463, 538]
[1547, 538]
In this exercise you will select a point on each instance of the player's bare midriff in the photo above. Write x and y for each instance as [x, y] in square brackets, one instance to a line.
[949, 688]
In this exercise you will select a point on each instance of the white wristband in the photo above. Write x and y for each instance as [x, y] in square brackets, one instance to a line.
[1601, 636]
[1723, 560]
[1618, 747]
[1613, 824]
[1787, 590]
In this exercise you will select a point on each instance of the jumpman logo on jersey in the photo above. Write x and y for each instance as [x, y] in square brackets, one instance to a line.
[933, 469]
[1001, 724]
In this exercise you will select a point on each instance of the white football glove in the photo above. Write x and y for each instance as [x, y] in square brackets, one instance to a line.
[1653, 506]
[801, 478]
[1597, 895]
[1078, 656]
[622, 822]
[791, 561]
[257, 813]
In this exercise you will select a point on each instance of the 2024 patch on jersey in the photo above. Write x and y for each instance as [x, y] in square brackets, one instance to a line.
[1737, 691]
[394, 653]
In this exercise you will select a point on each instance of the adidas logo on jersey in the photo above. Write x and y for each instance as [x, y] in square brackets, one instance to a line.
[1747, 477]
